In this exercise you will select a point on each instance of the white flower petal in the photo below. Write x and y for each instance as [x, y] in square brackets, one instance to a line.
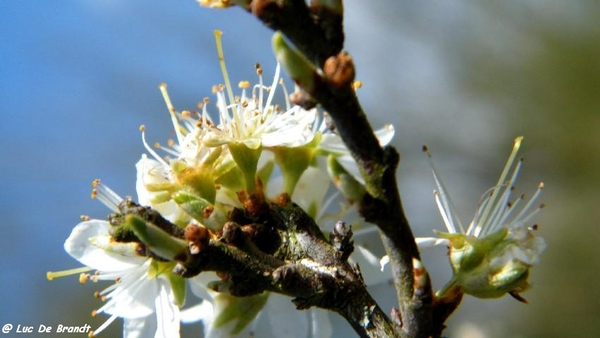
[311, 188]
[167, 312]
[350, 165]
[283, 318]
[138, 327]
[134, 295]
[369, 266]
[320, 323]
[79, 246]
[201, 312]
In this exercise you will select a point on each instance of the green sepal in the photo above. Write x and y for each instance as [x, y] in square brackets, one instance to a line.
[178, 287]
[213, 156]
[192, 204]
[293, 161]
[157, 240]
[195, 207]
[352, 189]
[232, 179]
[178, 166]
[296, 64]
[241, 309]
[468, 252]
[247, 160]
[265, 172]
[199, 180]
[480, 268]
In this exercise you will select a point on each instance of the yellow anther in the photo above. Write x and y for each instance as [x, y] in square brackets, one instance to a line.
[84, 277]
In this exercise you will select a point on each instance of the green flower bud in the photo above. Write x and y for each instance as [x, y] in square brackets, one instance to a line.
[493, 255]
[296, 64]
[494, 265]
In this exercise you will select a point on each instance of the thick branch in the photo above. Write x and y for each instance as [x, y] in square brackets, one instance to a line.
[304, 265]
[317, 31]
[333, 90]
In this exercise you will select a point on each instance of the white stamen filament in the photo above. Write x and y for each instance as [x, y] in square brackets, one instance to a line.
[106, 195]
[285, 93]
[171, 108]
[273, 86]
[531, 202]
[486, 226]
[444, 198]
[445, 213]
[150, 150]
[104, 325]
[50, 275]
[501, 182]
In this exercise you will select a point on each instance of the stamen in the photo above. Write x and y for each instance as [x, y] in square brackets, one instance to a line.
[150, 150]
[488, 225]
[178, 128]
[103, 326]
[285, 94]
[273, 86]
[444, 198]
[220, 53]
[205, 119]
[83, 278]
[530, 204]
[105, 195]
[501, 181]
[50, 275]
[444, 213]
[259, 72]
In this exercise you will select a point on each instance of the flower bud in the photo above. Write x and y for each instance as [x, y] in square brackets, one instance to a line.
[496, 264]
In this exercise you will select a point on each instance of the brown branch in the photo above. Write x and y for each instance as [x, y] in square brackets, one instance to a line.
[303, 265]
[317, 32]
[382, 205]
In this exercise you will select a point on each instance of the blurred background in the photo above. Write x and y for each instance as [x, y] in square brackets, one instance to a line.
[77, 79]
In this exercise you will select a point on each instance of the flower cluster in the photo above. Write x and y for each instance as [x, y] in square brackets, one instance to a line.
[257, 146]
[256, 149]
[493, 255]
